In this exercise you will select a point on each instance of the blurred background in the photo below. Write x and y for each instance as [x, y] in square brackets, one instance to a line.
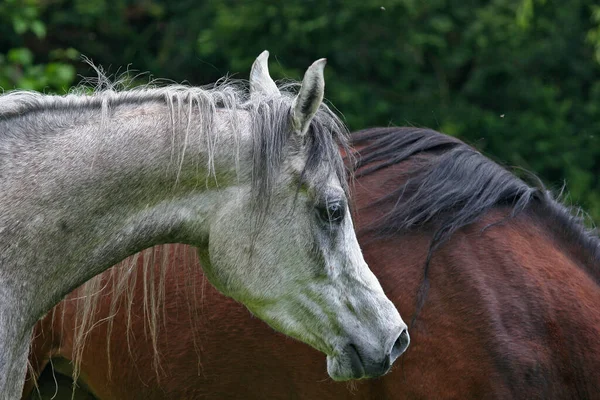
[518, 79]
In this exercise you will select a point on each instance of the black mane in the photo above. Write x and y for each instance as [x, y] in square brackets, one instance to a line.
[452, 185]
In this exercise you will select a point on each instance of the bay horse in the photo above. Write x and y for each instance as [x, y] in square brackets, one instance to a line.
[254, 180]
[501, 281]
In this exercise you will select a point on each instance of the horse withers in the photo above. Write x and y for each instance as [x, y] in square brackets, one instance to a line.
[256, 182]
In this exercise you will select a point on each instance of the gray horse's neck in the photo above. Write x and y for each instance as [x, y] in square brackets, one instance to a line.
[79, 192]
[14, 347]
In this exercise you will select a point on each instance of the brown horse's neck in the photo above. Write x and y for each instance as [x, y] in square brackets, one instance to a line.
[514, 285]
[419, 183]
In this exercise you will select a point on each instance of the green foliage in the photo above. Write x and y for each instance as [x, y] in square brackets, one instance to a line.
[519, 79]
[594, 33]
[17, 65]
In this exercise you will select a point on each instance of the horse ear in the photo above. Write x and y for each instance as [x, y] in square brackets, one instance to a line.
[309, 98]
[260, 80]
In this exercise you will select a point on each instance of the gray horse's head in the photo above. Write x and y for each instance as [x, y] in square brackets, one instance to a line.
[282, 241]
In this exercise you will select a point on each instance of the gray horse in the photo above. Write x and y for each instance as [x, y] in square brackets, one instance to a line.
[255, 182]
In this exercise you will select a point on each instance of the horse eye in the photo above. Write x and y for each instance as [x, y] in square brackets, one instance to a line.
[332, 213]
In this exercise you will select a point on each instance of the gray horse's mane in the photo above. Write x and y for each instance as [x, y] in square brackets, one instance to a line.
[269, 117]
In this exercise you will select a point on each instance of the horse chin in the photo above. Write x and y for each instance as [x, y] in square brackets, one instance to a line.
[345, 367]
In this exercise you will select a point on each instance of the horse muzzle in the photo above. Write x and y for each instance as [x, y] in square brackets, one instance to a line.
[354, 363]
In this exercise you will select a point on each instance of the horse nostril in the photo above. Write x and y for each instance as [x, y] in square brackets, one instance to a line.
[400, 345]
